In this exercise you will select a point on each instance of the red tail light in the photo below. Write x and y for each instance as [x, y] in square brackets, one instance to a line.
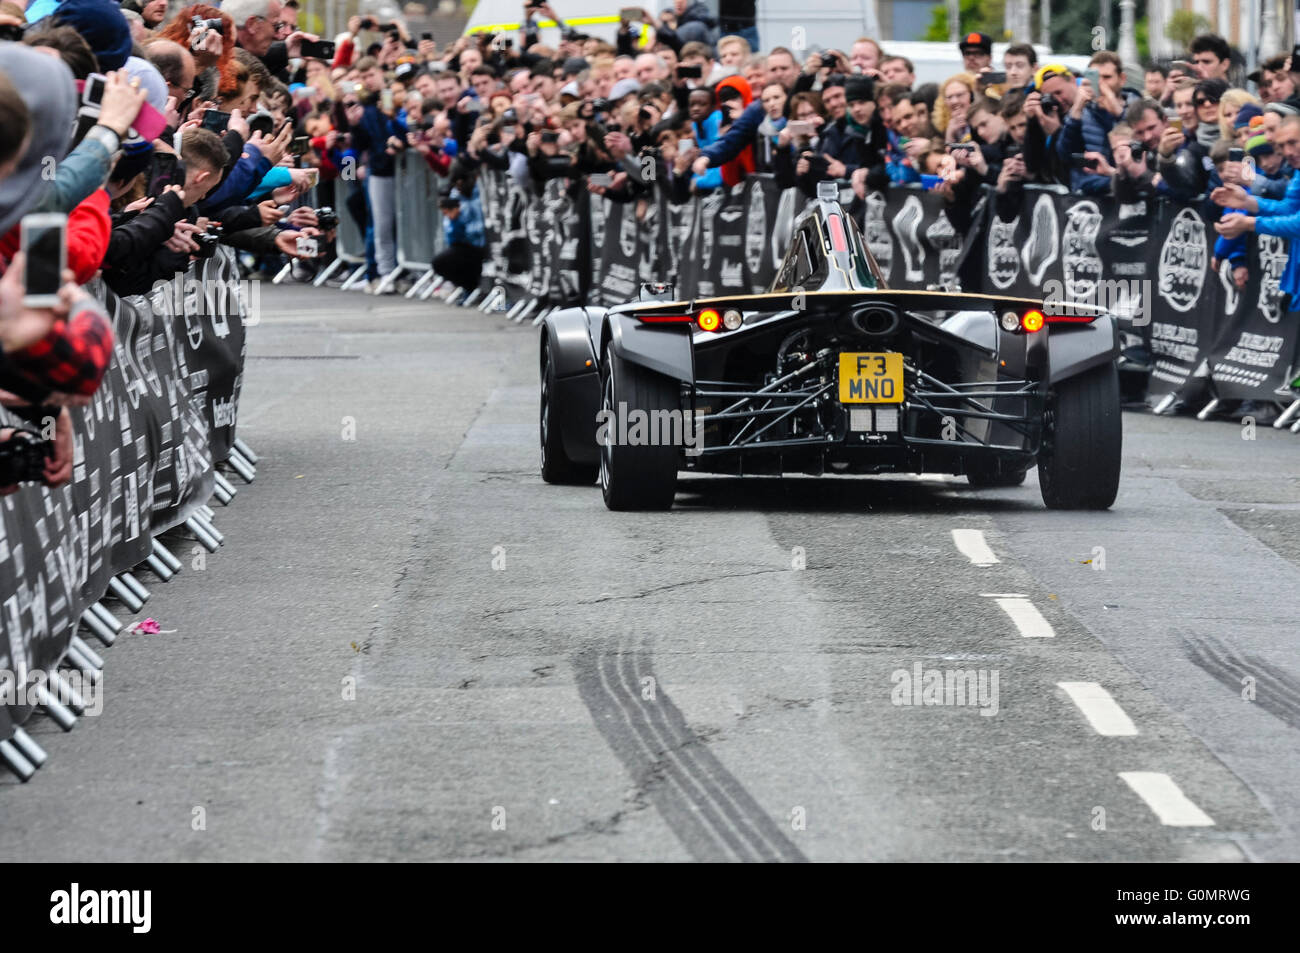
[1071, 318]
[709, 320]
[665, 318]
[838, 240]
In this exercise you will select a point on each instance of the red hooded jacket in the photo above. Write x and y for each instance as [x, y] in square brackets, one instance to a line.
[734, 172]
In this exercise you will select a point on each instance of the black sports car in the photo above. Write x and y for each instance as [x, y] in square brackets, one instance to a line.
[831, 371]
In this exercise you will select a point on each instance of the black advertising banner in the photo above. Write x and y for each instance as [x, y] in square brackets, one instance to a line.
[729, 240]
[911, 237]
[679, 255]
[619, 252]
[142, 462]
[1185, 307]
[215, 306]
[559, 238]
[1253, 355]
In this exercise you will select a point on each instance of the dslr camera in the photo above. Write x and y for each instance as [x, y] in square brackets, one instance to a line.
[1049, 103]
[199, 28]
[208, 241]
[327, 219]
[22, 458]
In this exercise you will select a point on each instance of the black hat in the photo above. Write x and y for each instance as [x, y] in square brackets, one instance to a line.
[976, 41]
[858, 88]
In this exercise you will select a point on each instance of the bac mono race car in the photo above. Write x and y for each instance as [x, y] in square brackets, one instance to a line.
[831, 371]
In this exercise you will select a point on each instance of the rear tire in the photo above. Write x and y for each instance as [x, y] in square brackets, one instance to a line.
[636, 477]
[556, 465]
[1079, 466]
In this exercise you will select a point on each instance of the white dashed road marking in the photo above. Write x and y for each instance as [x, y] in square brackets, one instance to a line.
[1101, 710]
[1166, 799]
[971, 544]
[1028, 619]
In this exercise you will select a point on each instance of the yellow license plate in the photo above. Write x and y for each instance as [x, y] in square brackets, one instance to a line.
[871, 378]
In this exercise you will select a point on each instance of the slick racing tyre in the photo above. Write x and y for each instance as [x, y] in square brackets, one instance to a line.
[1078, 468]
[556, 465]
[640, 475]
[984, 477]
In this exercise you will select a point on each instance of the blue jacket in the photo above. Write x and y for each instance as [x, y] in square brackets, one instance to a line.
[1284, 226]
[371, 135]
[1088, 134]
[1233, 250]
[467, 227]
[706, 134]
[1286, 205]
[243, 178]
[743, 132]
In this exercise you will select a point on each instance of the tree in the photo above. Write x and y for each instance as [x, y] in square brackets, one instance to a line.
[982, 16]
[1184, 26]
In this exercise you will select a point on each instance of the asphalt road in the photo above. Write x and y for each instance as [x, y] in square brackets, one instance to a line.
[411, 648]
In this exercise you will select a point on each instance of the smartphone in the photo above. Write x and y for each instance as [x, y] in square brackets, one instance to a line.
[306, 246]
[214, 120]
[630, 14]
[92, 94]
[299, 145]
[313, 178]
[1184, 66]
[690, 72]
[1093, 76]
[426, 36]
[1236, 154]
[318, 49]
[261, 121]
[961, 147]
[685, 145]
[1176, 124]
[550, 135]
[800, 127]
[45, 248]
[993, 77]
[601, 178]
[929, 182]
[163, 171]
[1295, 56]
[92, 90]
[1079, 161]
[386, 100]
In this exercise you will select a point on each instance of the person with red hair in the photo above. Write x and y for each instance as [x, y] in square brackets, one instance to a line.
[212, 50]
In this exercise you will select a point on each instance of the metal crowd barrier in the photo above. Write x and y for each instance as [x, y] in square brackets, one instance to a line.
[349, 244]
[419, 222]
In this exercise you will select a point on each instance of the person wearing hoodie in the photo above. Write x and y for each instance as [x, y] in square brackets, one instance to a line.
[734, 97]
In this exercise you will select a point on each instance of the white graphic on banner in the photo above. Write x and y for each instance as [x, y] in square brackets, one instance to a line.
[1081, 261]
[1003, 253]
[1043, 246]
[1183, 257]
[876, 232]
[1272, 261]
[906, 225]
